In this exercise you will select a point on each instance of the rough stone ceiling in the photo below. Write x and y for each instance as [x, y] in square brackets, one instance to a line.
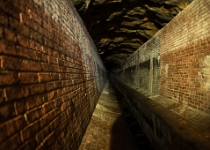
[119, 27]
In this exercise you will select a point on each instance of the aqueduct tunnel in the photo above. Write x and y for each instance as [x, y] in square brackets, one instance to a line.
[54, 65]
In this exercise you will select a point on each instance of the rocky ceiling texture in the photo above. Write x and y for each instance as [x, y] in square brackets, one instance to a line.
[119, 27]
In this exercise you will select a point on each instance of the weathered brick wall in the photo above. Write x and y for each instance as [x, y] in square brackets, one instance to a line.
[142, 67]
[50, 75]
[167, 124]
[185, 57]
[183, 73]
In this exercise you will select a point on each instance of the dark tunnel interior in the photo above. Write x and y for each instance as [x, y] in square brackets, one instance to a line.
[104, 75]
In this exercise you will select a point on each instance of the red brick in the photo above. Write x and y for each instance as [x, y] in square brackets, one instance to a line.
[30, 130]
[40, 147]
[44, 50]
[64, 106]
[26, 20]
[4, 19]
[63, 121]
[1, 96]
[6, 111]
[28, 144]
[28, 77]
[25, 104]
[49, 139]
[30, 103]
[38, 46]
[65, 98]
[30, 66]
[10, 48]
[3, 47]
[23, 52]
[45, 25]
[32, 44]
[60, 62]
[55, 76]
[8, 79]
[51, 95]
[23, 41]
[44, 77]
[35, 27]
[41, 57]
[10, 35]
[58, 102]
[17, 26]
[52, 60]
[37, 89]
[59, 92]
[36, 36]
[37, 18]
[34, 114]
[43, 134]
[40, 99]
[47, 67]
[25, 30]
[46, 119]
[26, 53]
[20, 107]
[1, 32]
[12, 126]
[54, 124]
[47, 107]
[12, 143]
[10, 63]
[3, 132]
[50, 86]
[10, 9]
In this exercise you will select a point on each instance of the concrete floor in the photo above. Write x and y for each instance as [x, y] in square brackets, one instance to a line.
[112, 126]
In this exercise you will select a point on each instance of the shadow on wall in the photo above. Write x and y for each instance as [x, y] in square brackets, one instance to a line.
[121, 137]
[129, 136]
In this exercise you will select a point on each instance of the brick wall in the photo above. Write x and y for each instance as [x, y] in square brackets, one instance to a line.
[50, 75]
[183, 73]
[142, 67]
[185, 57]
[172, 103]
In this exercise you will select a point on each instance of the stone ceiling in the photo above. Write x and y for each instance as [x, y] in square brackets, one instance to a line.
[119, 27]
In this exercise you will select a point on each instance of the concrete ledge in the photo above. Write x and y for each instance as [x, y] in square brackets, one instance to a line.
[168, 124]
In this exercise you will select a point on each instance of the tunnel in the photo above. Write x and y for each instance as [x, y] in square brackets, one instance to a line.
[71, 81]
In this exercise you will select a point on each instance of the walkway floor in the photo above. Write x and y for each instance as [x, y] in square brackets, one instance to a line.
[108, 128]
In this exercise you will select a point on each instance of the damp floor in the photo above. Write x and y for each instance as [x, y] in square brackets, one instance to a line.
[112, 126]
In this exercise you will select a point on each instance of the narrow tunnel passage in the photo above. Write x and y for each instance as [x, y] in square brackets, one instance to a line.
[51, 77]
[112, 126]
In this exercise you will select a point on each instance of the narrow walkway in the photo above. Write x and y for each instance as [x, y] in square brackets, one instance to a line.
[108, 129]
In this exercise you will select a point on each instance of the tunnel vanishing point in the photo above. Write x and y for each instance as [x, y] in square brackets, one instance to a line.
[51, 76]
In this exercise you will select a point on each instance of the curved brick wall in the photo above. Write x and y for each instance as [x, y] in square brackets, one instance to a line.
[50, 75]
